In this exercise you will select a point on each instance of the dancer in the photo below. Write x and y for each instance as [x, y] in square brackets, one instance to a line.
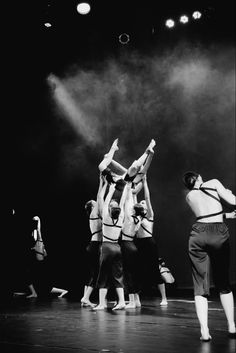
[111, 270]
[147, 247]
[115, 171]
[209, 244]
[128, 248]
[93, 210]
[38, 270]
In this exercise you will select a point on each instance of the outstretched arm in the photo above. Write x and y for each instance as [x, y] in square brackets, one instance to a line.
[100, 199]
[108, 197]
[147, 198]
[138, 187]
[224, 193]
[123, 198]
[129, 202]
[39, 230]
[97, 208]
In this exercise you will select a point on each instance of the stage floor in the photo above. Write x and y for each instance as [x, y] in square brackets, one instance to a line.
[63, 326]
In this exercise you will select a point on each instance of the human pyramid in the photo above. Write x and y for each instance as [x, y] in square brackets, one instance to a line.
[121, 234]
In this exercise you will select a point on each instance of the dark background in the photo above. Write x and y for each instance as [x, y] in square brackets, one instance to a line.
[71, 89]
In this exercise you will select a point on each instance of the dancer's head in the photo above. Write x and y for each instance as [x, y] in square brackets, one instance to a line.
[161, 261]
[114, 209]
[139, 210]
[89, 206]
[143, 203]
[190, 178]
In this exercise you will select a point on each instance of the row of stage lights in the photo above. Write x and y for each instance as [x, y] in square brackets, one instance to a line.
[170, 23]
[84, 8]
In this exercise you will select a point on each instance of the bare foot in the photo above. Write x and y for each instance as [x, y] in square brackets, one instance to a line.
[115, 145]
[131, 305]
[152, 144]
[99, 307]
[164, 303]
[85, 303]
[63, 293]
[119, 307]
[137, 303]
[205, 336]
[232, 331]
[137, 300]
[205, 339]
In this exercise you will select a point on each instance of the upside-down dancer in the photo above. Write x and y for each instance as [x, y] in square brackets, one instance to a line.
[115, 171]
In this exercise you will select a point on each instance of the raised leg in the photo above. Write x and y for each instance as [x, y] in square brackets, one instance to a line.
[108, 156]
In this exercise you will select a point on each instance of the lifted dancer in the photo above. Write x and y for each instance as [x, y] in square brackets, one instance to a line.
[209, 243]
[114, 170]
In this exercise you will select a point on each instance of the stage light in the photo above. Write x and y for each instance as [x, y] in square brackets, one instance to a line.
[197, 15]
[124, 38]
[47, 24]
[170, 23]
[83, 8]
[183, 19]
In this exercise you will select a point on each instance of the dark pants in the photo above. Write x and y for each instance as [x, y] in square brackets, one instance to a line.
[130, 263]
[111, 269]
[93, 254]
[148, 262]
[209, 245]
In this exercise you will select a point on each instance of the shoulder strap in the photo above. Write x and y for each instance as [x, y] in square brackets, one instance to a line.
[208, 193]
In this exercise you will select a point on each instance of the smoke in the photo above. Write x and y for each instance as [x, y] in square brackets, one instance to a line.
[185, 96]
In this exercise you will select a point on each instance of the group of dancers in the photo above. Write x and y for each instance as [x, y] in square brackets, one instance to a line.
[122, 252]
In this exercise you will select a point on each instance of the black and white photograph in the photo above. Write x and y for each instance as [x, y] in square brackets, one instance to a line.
[118, 192]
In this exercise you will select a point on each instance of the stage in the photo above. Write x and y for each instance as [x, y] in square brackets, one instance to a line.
[62, 325]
